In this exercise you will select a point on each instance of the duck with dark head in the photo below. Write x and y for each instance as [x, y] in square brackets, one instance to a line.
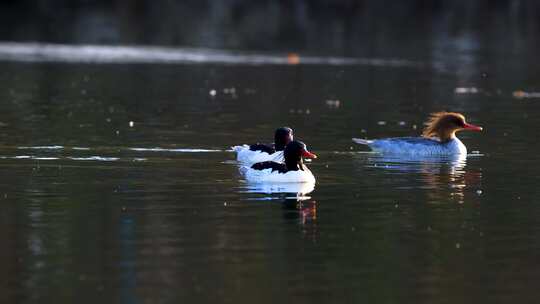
[438, 138]
[249, 154]
[282, 137]
[292, 170]
[294, 151]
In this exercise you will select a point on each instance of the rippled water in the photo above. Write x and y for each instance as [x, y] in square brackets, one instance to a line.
[119, 185]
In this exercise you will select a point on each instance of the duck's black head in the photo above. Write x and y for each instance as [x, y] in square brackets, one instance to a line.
[293, 153]
[282, 137]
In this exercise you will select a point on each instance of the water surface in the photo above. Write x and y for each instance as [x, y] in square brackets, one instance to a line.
[118, 184]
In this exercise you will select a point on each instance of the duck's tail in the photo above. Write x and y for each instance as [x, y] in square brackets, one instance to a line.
[361, 141]
[239, 148]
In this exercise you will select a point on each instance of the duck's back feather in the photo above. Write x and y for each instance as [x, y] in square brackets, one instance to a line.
[415, 145]
[248, 157]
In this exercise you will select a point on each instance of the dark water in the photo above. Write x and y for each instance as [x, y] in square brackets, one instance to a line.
[118, 185]
[88, 218]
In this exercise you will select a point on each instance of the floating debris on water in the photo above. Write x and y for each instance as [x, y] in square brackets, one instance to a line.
[212, 93]
[333, 103]
[229, 90]
[479, 192]
[381, 123]
[402, 123]
[462, 90]
[522, 94]
[300, 111]
[131, 124]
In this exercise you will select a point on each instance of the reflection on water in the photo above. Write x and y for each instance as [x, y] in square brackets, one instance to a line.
[296, 190]
[434, 172]
[303, 209]
[293, 196]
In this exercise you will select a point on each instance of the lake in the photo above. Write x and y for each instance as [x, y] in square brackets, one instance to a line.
[119, 184]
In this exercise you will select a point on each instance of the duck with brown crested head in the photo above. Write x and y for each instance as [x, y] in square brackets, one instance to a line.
[438, 137]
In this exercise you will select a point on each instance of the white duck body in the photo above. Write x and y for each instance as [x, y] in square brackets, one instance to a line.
[269, 176]
[248, 157]
[415, 146]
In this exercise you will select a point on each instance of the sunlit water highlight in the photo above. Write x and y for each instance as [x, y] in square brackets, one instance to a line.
[103, 54]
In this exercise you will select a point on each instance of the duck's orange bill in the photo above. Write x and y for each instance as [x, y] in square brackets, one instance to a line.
[472, 127]
[308, 154]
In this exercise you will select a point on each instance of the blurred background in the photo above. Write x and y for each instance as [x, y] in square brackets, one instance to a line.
[406, 29]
